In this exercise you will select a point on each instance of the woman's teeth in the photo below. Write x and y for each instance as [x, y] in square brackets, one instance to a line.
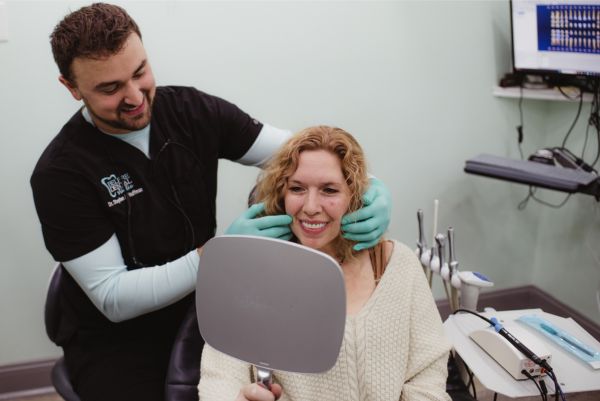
[313, 226]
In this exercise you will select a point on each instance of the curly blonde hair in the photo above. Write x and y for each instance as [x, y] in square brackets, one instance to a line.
[273, 182]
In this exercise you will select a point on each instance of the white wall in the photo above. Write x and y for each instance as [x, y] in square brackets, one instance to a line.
[411, 80]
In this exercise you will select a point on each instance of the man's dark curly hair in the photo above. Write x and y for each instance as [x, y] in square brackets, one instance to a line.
[96, 31]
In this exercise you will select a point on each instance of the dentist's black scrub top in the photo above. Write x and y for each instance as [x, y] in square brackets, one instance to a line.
[88, 186]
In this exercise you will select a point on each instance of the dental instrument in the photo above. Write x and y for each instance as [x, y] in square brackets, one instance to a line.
[441, 246]
[453, 270]
[423, 252]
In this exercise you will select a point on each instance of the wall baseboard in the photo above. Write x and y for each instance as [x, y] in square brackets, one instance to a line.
[31, 378]
[26, 394]
[24, 379]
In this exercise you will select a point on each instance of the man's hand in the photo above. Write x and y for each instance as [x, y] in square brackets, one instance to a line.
[256, 392]
[267, 226]
[367, 225]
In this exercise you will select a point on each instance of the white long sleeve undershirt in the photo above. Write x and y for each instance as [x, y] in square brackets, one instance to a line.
[122, 294]
[269, 139]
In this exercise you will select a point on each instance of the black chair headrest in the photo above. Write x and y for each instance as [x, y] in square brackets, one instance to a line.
[52, 309]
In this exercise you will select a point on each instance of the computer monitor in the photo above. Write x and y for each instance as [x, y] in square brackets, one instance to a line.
[556, 39]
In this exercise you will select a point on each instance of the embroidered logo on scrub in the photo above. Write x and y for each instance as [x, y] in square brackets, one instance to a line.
[118, 187]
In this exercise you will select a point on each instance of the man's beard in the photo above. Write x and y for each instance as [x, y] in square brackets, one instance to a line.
[123, 124]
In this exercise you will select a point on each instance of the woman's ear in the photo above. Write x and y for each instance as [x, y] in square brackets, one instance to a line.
[71, 87]
[252, 196]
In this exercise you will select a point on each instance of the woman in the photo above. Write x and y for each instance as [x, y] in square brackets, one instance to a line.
[393, 346]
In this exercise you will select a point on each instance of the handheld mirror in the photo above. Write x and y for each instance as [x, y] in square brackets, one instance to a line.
[272, 303]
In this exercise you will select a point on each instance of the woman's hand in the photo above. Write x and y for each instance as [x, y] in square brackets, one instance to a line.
[256, 392]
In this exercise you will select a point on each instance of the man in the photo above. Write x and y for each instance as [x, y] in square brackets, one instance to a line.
[126, 195]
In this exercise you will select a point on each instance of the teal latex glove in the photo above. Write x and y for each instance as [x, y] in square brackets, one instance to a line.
[367, 225]
[267, 226]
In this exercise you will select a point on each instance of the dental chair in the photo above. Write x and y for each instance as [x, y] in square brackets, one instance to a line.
[183, 373]
[52, 316]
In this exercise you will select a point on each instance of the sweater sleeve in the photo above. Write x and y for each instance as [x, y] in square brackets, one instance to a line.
[221, 376]
[427, 369]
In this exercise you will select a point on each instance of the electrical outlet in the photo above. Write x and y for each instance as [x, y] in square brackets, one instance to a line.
[3, 22]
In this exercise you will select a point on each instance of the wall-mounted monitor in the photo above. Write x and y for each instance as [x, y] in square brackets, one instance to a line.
[556, 38]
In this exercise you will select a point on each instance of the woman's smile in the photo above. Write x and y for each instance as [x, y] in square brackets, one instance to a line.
[312, 227]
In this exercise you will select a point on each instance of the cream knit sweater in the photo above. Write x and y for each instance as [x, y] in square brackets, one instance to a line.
[393, 349]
